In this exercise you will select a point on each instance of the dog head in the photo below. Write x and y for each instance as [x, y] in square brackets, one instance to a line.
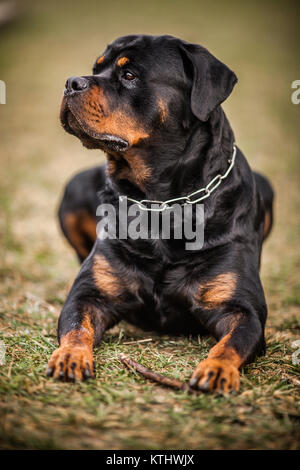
[145, 91]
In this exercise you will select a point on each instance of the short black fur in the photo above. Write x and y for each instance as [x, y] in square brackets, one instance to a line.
[175, 98]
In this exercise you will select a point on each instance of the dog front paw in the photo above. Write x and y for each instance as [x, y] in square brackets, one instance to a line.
[71, 363]
[215, 375]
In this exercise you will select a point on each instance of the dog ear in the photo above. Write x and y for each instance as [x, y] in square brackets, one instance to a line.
[213, 81]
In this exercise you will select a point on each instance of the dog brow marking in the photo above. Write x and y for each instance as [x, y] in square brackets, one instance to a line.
[217, 291]
[122, 61]
[100, 60]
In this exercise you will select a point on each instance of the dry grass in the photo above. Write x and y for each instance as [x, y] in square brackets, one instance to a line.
[120, 410]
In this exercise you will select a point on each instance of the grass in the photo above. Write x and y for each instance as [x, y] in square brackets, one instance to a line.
[120, 410]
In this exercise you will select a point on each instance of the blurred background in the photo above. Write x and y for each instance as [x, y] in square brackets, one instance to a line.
[41, 44]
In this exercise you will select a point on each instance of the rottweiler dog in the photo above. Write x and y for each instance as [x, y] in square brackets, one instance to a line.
[153, 105]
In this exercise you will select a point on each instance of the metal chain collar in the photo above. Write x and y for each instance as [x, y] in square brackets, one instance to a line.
[209, 188]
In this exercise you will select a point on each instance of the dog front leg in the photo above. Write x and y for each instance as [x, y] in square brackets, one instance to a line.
[86, 315]
[240, 337]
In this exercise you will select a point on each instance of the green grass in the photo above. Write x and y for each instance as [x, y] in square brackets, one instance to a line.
[120, 410]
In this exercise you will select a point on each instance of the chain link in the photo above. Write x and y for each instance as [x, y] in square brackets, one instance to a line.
[209, 188]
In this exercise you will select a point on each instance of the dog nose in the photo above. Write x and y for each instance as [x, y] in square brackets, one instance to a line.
[75, 84]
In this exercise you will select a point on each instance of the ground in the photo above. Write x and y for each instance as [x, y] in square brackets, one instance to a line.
[120, 410]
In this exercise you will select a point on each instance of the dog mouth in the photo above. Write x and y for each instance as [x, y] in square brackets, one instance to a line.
[89, 138]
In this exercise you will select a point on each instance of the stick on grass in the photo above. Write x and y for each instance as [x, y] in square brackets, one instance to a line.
[155, 376]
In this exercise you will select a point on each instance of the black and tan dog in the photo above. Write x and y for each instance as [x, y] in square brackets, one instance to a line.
[153, 105]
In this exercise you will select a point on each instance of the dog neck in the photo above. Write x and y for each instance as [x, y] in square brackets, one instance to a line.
[162, 171]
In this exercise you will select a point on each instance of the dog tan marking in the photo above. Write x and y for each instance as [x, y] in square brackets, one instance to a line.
[140, 172]
[77, 241]
[135, 170]
[100, 60]
[163, 110]
[78, 225]
[222, 351]
[219, 372]
[84, 335]
[73, 360]
[104, 277]
[112, 166]
[93, 113]
[217, 291]
[89, 226]
[110, 282]
[122, 61]
[119, 169]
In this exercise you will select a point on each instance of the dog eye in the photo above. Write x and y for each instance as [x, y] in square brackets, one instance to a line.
[128, 75]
